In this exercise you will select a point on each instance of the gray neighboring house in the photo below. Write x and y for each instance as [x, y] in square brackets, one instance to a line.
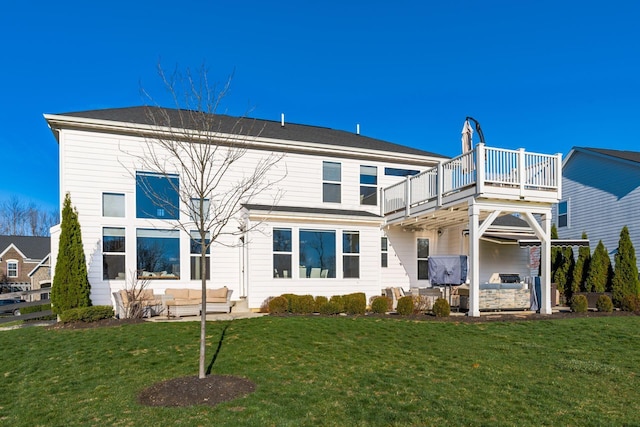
[600, 195]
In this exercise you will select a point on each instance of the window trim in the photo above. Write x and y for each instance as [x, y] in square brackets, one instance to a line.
[286, 274]
[564, 215]
[122, 198]
[110, 253]
[422, 259]
[384, 252]
[170, 207]
[365, 185]
[194, 239]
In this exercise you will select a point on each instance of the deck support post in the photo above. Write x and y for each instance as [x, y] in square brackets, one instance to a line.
[474, 260]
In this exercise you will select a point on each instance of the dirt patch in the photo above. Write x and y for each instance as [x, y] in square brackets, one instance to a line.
[189, 391]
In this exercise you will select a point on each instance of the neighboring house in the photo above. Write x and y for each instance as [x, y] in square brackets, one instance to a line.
[356, 214]
[24, 263]
[600, 195]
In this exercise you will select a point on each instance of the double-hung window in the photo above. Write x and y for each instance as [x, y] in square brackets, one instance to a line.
[12, 268]
[157, 196]
[331, 182]
[196, 256]
[563, 214]
[113, 253]
[384, 252]
[423, 259]
[350, 254]
[282, 252]
[368, 185]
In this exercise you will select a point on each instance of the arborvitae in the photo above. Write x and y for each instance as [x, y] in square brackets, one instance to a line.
[564, 272]
[600, 271]
[625, 277]
[581, 268]
[70, 287]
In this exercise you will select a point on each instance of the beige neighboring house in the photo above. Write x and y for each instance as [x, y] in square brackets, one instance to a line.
[24, 265]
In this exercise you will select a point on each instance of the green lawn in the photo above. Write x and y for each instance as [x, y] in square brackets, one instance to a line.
[333, 371]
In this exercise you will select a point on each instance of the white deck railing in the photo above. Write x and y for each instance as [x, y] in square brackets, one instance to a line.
[499, 171]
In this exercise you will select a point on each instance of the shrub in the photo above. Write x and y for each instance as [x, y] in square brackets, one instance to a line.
[630, 303]
[331, 307]
[579, 304]
[441, 308]
[302, 304]
[625, 276]
[37, 308]
[405, 306]
[87, 314]
[278, 305]
[604, 304]
[319, 301]
[380, 304]
[338, 300]
[421, 303]
[355, 303]
[290, 300]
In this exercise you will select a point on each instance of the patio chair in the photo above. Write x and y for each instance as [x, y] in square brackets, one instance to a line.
[315, 272]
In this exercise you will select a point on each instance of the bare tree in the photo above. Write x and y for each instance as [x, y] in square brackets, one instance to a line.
[205, 150]
[17, 218]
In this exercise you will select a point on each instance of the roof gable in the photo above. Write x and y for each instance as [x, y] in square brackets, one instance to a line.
[31, 247]
[252, 127]
[629, 157]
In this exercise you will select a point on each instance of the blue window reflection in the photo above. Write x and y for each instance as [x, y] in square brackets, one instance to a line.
[317, 254]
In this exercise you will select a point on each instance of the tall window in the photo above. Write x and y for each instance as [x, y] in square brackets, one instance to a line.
[351, 254]
[331, 177]
[282, 252]
[113, 250]
[12, 268]
[196, 256]
[158, 253]
[368, 185]
[423, 259]
[563, 213]
[113, 205]
[317, 254]
[194, 212]
[157, 196]
[384, 252]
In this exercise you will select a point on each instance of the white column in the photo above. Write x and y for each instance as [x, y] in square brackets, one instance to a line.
[474, 260]
[545, 259]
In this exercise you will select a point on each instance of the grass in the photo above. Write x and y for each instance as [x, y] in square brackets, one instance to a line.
[332, 371]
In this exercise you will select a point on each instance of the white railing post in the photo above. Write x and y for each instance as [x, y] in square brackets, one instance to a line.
[480, 168]
[558, 174]
[522, 173]
[407, 198]
[439, 184]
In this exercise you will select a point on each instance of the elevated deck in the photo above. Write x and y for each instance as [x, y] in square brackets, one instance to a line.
[442, 193]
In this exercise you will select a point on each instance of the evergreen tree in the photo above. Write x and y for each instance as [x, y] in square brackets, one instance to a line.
[556, 257]
[70, 287]
[564, 272]
[625, 278]
[600, 271]
[582, 268]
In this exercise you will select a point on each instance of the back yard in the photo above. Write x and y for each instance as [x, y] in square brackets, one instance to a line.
[332, 371]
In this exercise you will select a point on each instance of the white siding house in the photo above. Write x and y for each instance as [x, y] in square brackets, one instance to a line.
[351, 214]
[601, 195]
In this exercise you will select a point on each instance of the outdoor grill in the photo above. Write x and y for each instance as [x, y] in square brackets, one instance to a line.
[509, 278]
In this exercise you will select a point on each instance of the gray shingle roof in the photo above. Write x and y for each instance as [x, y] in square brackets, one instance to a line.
[32, 247]
[252, 127]
[632, 156]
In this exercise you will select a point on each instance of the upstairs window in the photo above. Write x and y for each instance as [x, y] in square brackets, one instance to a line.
[113, 205]
[157, 196]
[400, 172]
[12, 268]
[563, 214]
[350, 254]
[331, 182]
[423, 259]
[194, 213]
[368, 185]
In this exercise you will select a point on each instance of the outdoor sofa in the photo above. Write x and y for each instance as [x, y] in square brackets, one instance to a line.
[188, 302]
[151, 303]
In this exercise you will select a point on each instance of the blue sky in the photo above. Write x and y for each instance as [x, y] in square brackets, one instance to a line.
[543, 75]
